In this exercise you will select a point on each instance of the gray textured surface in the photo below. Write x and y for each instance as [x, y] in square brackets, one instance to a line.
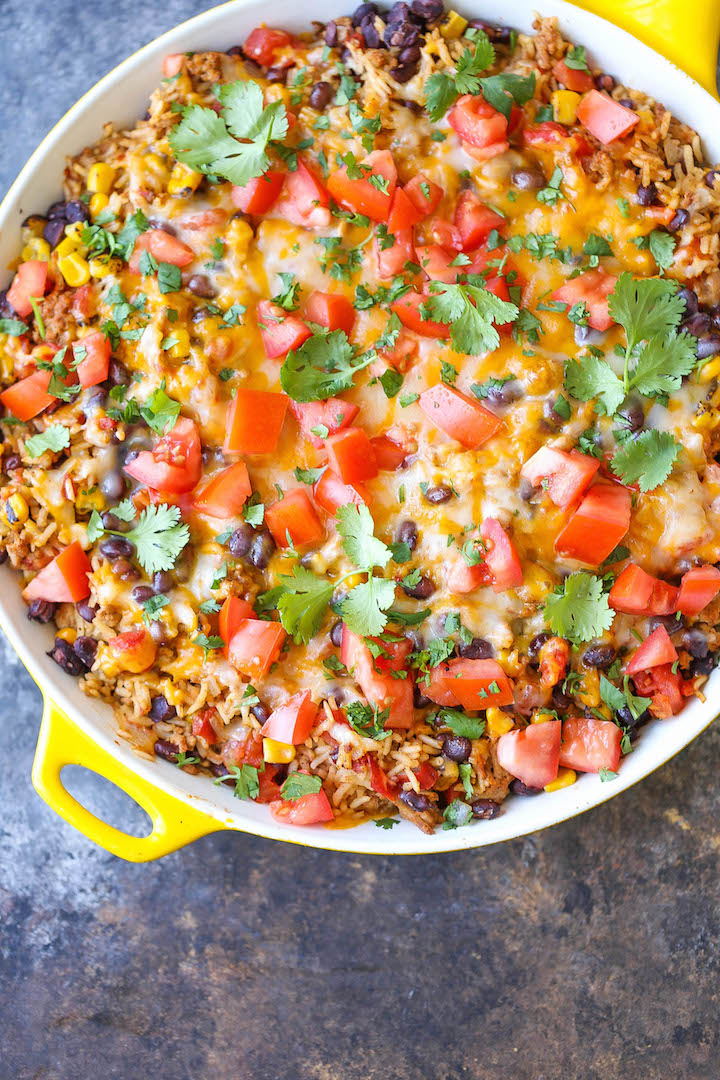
[590, 951]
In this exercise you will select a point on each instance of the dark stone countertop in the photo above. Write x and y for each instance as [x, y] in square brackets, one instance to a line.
[589, 952]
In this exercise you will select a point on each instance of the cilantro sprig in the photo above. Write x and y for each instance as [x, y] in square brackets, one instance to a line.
[442, 89]
[472, 312]
[323, 366]
[159, 537]
[579, 609]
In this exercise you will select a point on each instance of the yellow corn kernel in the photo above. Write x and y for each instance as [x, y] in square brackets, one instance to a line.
[74, 269]
[67, 246]
[541, 716]
[16, 510]
[453, 26]
[604, 710]
[182, 346]
[538, 581]
[565, 103]
[705, 419]
[67, 634]
[90, 500]
[509, 660]
[103, 265]
[353, 580]
[43, 352]
[101, 178]
[183, 180]
[647, 120]
[588, 691]
[564, 778]
[75, 230]
[238, 236]
[156, 169]
[37, 248]
[32, 226]
[498, 722]
[277, 753]
[98, 202]
[710, 371]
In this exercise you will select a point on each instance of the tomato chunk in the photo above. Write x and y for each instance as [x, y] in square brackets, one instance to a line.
[374, 678]
[632, 591]
[546, 136]
[597, 526]
[259, 194]
[29, 396]
[698, 588]
[351, 455]
[532, 754]
[134, 650]
[459, 416]
[655, 650]
[94, 363]
[64, 580]
[254, 422]
[233, 611]
[407, 309]
[403, 213]
[572, 78]
[591, 288]
[604, 118]
[362, 195]
[304, 200]
[226, 493]
[330, 493]
[331, 310]
[279, 331]
[262, 43]
[202, 726]
[391, 260]
[255, 646]
[477, 684]
[294, 516]
[163, 247]
[313, 809]
[664, 686]
[293, 721]
[175, 463]
[424, 194]
[477, 123]
[568, 476]
[29, 282]
[333, 414]
[462, 579]
[474, 220]
[589, 745]
[437, 263]
[388, 454]
[501, 558]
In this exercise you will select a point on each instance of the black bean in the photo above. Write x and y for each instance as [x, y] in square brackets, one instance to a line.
[234, 50]
[370, 33]
[500, 35]
[85, 611]
[413, 106]
[407, 533]
[518, 788]
[627, 103]
[632, 415]
[606, 82]
[399, 13]
[3, 556]
[670, 622]
[696, 642]
[331, 34]
[159, 632]
[110, 521]
[647, 194]
[58, 210]
[456, 747]
[115, 547]
[708, 345]
[410, 54]
[477, 649]
[689, 298]
[241, 540]
[12, 462]
[112, 484]
[712, 179]
[586, 335]
[162, 581]
[424, 588]
[415, 801]
[54, 231]
[125, 570]
[65, 657]
[95, 400]
[599, 656]
[118, 373]
[141, 593]
[560, 700]
[679, 221]
[200, 285]
[86, 648]
[485, 809]
[698, 324]
[336, 633]
[536, 645]
[440, 493]
[76, 210]
[526, 490]
[321, 95]
[42, 611]
[505, 394]
[528, 178]
[261, 550]
[277, 74]
[404, 72]
[218, 769]
[168, 751]
[161, 709]
[260, 712]
[428, 10]
[362, 12]
[419, 699]
[702, 665]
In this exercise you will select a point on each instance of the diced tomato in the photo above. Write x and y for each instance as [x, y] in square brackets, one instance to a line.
[666, 688]
[262, 43]
[427, 776]
[632, 591]
[134, 650]
[531, 754]
[331, 310]
[279, 331]
[307, 810]
[589, 745]
[304, 200]
[407, 309]
[254, 422]
[572, 78]
[362, 196]
[255, 646]
[294, 516]
[391, 260]
[655, 650]
[662, 214]
[374, 678]
[232, 613]
[259, 194]
[477, 684]
[403, 213]
[28, 397]
[546, 135]
[597, 526]
[474, 220]
[402, 353]
[424, 194]
[333, 414]
[445, 234]
[249, 751]
[29, 282]
[172, 65]
[175, 463]
[591, 288]
[462, 579]
[226, 493]
[388, 454]
[698, 588]
[330, 493]
[568, 475]
[202, 727]
[437, 263]
[664, 599]
[64, 580]
[293, 721]
[501, 558]
[163, 247]
[477, 123]
[84, 303]
[604, 118]
[94, 366]
[379, 780]
[459, 416]
[435, 688]
[351, 455]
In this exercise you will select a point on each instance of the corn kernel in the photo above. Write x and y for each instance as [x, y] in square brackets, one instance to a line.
[588, 691]
[705, 419]
[90, 500]
[238, 236]
[104, 265]
[67, 634]
[97, 204]
[453, 26]
[182, 345]
[183, 180]
[565, 103]
[101, 178]
[277, 753]
[541, 716]
[353, 580]
[67, 246]
[156, 169]
[74, 269]
[75, 230]
[498, 722]
[564, 778]
[647, 120]
[709, 371]
[36, 248]
[16, 510]
[33, 226]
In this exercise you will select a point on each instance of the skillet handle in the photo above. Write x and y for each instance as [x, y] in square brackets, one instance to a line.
[61, 743]
[687, 32]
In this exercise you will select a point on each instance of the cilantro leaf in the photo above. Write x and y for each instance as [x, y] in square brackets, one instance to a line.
[645, 308]
[55, 438]
[471, 311]
[247, 117]
[460, 724]
[618, 699]
[309, 476]
[299, 784]
[367, 720]
[303, 604]
[465, 772]
[594, 378]
[364, 607]
[502, 90]
[13, 327]
[158, 537]
[662, 362]
[457, 814]
[357, 529]
[662, 248]
[161, 411]
[442, 89]
[575, 58]
[323, 366]
[386, 822]
[247, 784]
[647, 460]
[579, 609]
